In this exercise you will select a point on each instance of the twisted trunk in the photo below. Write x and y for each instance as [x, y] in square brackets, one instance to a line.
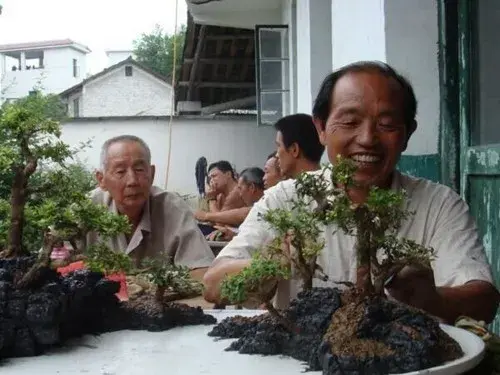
[280, 318]
[17, 204]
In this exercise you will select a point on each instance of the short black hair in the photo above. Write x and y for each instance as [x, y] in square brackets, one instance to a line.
[253, 175]
[300, 129]
[321, 108]
[271, 155]
[223, 166]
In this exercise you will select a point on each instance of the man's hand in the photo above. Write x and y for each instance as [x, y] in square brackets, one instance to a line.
[415, 286]
[211, 191]
[201, 215]
[226, 233]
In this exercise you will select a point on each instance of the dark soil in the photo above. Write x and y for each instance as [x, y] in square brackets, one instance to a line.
[360, 336]
[83, 302]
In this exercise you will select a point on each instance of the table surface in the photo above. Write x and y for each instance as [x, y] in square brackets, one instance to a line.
[179, 351]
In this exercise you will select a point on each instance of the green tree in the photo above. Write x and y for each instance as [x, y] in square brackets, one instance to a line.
[156, 50]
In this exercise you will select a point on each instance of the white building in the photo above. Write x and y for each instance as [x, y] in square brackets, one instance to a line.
[52, 66]
[127, 88]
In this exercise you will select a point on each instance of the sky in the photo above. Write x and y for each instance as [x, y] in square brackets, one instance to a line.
[98, 24]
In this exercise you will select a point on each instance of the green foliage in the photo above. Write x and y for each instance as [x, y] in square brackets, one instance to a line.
[156, 50]
[51, 192]
[170, 277]
[100, 258]
[30, 129]
[257, 279]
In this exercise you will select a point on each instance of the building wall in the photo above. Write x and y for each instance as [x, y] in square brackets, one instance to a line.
[115, 94]
[358, 31]
[411, 47]
[238, 140]
[55, 77]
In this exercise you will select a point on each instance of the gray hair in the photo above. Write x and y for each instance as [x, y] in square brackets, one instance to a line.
[122, 138]
[253, 175]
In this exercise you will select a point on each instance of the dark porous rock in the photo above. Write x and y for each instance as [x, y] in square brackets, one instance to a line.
[145, 313]
[310, 313]
[344, 336]
[377, 336]
[53, 309]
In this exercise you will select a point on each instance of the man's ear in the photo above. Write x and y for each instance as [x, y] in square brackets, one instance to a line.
[411, 130]
[320, 128]
[99, 176]
[294, 150]
[153, 172]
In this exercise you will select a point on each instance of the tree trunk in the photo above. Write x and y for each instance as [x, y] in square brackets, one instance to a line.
[308, 283]
[160, 292]
[280, 318]
[17, 204]
[363, 272]
[31, 277]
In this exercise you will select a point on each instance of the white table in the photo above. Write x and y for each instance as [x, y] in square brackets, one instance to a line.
[186, 351]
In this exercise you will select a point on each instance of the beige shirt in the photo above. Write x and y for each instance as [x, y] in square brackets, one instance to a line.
[167, 228]
[441, 221]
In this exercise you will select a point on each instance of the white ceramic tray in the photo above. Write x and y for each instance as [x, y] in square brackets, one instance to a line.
[189, 351]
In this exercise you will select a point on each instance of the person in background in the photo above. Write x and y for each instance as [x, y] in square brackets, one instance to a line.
[272, 173]
[298, 146]
[251, 189]
[223, 194]
[162, 224]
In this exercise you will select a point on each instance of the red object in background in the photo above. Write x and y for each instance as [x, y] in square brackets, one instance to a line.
[119, 277]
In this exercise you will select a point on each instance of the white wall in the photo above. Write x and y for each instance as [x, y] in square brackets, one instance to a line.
[411, 47]
[358, 31]
[115, 94]
[240, 141]
[56, 76]
[314, 50]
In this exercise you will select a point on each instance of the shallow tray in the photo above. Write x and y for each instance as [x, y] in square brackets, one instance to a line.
[189, 351]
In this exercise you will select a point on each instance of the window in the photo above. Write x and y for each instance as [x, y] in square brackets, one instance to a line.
[128, 71]
[75, 68]
[32, 92]
[273, 93]
[76, 107]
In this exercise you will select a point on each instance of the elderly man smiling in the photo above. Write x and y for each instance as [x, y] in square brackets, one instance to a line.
[162, 223]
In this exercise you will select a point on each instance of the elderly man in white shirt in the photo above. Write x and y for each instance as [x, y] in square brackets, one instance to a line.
[366, 112]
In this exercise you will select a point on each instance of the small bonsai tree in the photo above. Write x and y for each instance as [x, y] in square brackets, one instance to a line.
[172, 282]
[322, 200]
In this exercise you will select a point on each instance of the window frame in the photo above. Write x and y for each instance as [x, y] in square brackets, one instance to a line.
[259, 60]
[75, 68]
[76, 107]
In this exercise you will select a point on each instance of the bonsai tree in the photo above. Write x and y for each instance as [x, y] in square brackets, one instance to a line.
[30, 133]
[52, 198]
[322, 199]
[171, 281]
